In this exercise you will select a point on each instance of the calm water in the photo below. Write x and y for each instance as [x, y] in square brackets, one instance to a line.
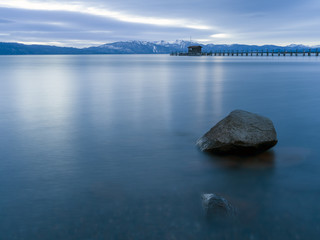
[103, 147]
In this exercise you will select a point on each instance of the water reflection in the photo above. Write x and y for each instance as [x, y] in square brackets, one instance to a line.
[263, 160]
[50, 92]
[275, 158]
[209, 79]
[103, 147]
[217, 91]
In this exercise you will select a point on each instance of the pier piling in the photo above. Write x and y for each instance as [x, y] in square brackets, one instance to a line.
[302, 52]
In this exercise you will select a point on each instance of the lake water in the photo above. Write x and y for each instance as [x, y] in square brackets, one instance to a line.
[103, 147]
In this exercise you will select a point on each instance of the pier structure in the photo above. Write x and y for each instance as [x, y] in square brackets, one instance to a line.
[194, 50]
[197, 52]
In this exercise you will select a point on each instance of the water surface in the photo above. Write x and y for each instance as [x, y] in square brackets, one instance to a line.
[103, 147]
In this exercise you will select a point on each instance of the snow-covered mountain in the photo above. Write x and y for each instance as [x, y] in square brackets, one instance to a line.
[139, 47]
[165, 47]
[142, 47]
[129, 47]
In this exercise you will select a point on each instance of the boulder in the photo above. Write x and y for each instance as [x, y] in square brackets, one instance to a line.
[217, 206]
[241, 132]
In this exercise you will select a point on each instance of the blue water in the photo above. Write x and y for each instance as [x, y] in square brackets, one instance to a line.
[103, 147]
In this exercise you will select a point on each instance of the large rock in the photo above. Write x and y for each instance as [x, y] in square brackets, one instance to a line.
[217, 206]
[240, 132]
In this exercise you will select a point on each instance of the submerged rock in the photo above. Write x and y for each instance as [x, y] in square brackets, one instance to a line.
[217, 206]
[241, 132]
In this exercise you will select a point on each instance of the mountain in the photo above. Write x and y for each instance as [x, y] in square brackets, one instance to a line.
[130, 47]
[22, 49]
[138, 47]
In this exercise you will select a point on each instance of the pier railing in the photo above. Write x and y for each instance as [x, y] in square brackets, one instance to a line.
[310, 52]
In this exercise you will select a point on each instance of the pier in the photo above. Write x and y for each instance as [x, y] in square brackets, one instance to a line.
[310, 52]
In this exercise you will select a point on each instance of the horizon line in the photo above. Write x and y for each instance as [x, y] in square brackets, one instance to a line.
[57, 44]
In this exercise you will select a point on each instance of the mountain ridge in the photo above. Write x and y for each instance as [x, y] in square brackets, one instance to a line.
[138, 47]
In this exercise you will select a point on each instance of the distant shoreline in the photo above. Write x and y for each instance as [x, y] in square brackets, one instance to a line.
[138, 47]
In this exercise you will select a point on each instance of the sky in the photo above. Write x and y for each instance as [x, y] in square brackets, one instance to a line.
[88, 23]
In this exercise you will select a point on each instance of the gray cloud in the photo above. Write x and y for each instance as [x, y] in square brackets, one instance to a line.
[231, 21]
[4, 21]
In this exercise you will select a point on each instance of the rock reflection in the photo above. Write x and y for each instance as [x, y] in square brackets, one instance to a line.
[281, 157]
[263, 160]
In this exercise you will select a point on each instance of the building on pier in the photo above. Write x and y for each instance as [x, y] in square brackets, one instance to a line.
[194, 50]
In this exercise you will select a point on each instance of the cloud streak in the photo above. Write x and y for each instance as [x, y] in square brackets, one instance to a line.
[83, 8]
[83, 23]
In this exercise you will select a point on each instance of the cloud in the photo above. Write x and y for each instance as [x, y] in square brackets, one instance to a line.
[103, 12]
[77, 29]
[83, 23]
[220, 35]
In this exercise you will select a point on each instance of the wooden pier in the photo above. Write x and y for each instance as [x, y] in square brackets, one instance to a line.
[310, 52]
